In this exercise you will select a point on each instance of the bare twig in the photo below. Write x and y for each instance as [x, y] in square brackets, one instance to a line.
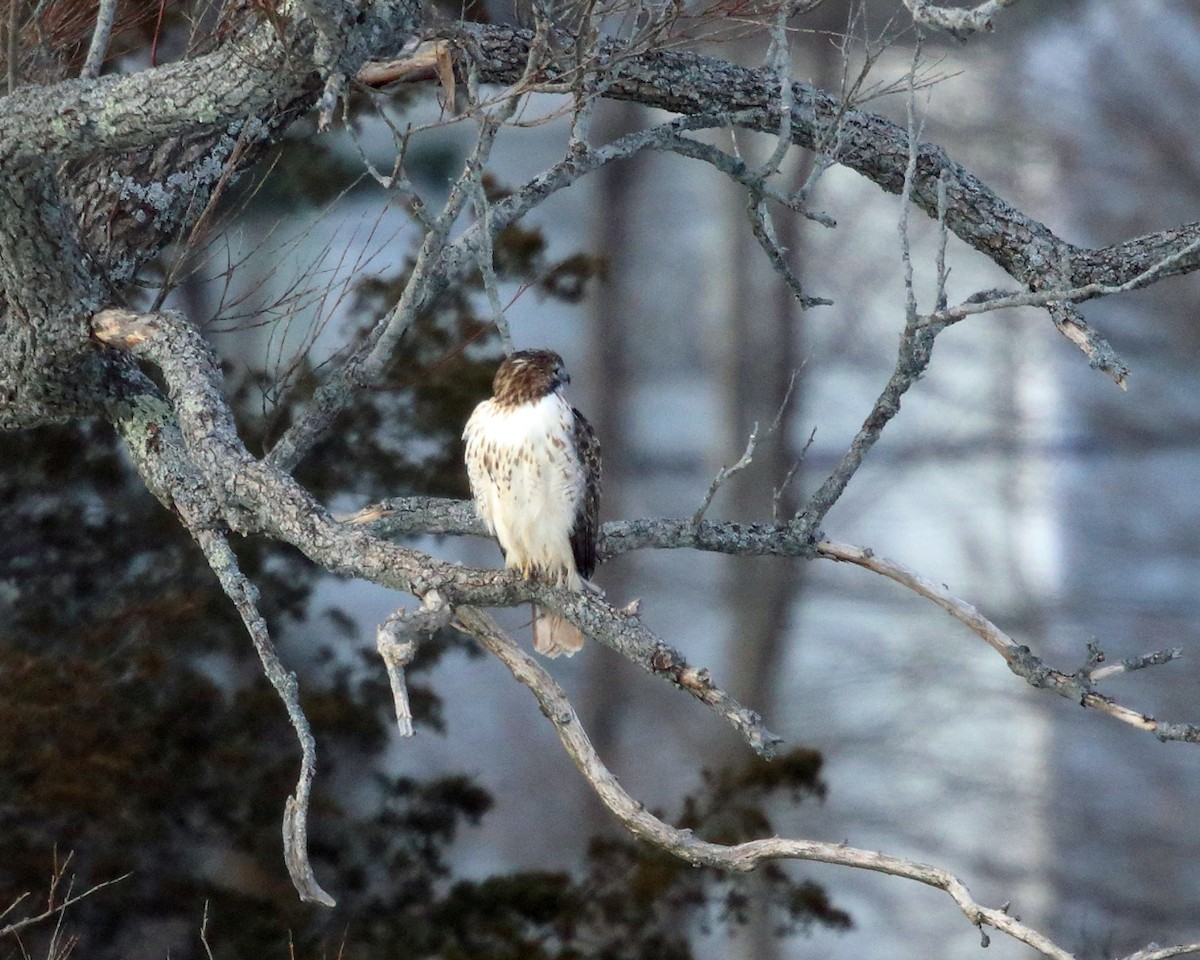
[763, 228]
[778, 492]
[783, 404]
[1130, 664]
[487, 267]
[1155, 952]
[1021, 661]
[992, 300]
[943, 235]
[913, 357]
[916, 351]
[105, 15]
[725, 473]
[10, 41]
[779, 61]
[204, 933]
[738, 170]
[910, 171]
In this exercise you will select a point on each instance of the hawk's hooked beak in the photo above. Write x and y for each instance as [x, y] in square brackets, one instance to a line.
[563, 376]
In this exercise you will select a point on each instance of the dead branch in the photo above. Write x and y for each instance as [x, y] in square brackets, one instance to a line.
[742, 857]
[53, 909]
[725, 473]
[1021, 661]
[295, 821]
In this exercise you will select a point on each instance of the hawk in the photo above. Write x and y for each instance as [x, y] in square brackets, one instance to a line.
[534, 465]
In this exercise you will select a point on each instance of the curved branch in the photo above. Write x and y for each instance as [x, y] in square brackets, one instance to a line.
[295, 818]
[396, 640]
[1078, 686]
[877, 148]
[742, 857]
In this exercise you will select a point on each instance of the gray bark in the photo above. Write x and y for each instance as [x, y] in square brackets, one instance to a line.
[98, 175]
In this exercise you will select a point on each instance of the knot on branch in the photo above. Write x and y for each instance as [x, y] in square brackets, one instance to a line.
[396, 640]
[1185, 732]
[124, 329]
[1025, 664]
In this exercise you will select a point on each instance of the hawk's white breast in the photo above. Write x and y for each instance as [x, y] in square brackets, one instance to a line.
[527, 481]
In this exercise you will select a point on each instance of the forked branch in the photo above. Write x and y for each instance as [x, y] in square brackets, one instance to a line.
[1078, 686]
[742, 857]
[401, 517]
[55, 906]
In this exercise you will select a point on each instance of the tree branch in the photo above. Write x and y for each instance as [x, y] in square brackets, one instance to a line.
[105, 14]
[397, 638]
[52, 908]
[957, 21]
[1077, 687]
[725, 473]
[256, 497]
[690, 84]
[402, 517]
[295, 820]
[46, 126]
[742, 857]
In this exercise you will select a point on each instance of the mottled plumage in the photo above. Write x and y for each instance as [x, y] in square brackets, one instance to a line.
[534, 466]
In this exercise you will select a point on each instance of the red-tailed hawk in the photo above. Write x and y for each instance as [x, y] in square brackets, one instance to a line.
[534, 466]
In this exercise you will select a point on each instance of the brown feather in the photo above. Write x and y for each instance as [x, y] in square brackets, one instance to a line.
[586, 528]
[527, 376]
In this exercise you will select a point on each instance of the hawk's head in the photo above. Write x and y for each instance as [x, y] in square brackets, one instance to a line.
[527, 376]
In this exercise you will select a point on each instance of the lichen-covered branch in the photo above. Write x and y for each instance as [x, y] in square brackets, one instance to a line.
[691, 84]
[401, 517]
[960, 22]
[45, 126]
[256, 497]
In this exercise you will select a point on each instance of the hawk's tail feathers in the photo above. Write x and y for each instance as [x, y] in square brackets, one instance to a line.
[555, 636]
